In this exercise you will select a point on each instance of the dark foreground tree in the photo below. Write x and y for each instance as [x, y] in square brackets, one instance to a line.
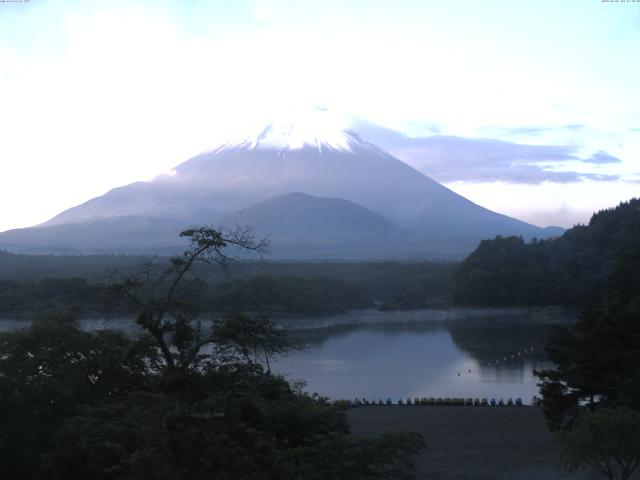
[597, 359]
[607, 441]
[592, 397]
[51, 369]
[388, 456]
[181, 402]
[166, 303]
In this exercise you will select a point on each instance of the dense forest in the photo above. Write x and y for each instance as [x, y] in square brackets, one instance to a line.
[35, 284]
[570, 270]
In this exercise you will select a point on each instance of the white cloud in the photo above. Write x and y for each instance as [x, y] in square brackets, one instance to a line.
[548, 203]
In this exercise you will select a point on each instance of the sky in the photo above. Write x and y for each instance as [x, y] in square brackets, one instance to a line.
[530, 108]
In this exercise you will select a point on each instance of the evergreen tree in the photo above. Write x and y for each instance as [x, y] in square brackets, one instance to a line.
[597, 359]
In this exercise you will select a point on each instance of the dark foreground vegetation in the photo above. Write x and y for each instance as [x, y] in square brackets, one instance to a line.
[592, 397]
[176, 403]
[598, 358]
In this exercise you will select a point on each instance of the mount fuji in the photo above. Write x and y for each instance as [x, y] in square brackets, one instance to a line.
[320, 190]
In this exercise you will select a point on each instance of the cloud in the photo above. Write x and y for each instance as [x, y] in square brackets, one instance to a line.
[540, 130]
[634, 179]
[451, 158]
[602, 157]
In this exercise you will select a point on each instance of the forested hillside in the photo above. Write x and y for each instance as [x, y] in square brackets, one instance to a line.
[571, 269]
[40, 283]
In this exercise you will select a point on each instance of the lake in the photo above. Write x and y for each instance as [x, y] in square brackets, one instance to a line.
[375, 354]
[446, 353]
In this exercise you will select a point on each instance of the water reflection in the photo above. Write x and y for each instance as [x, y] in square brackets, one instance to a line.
[491, 356]
[435, 353]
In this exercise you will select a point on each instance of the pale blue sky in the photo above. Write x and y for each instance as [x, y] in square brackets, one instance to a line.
[99, 94]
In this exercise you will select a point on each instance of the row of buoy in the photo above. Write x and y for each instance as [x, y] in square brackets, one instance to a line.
[470, 402]
[513, 356]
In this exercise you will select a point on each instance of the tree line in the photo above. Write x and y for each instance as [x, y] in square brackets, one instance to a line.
[364, 286]
[569, 270]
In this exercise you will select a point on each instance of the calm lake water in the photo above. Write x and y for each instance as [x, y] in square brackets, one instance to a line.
[452, 353]
[425, 353]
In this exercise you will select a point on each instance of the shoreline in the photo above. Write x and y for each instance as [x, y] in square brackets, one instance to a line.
[356, 317]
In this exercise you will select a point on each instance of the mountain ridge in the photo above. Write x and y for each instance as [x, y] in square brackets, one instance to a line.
[327, 163]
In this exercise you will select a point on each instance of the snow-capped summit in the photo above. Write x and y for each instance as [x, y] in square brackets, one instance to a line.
[317, 128]
[339, 179]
